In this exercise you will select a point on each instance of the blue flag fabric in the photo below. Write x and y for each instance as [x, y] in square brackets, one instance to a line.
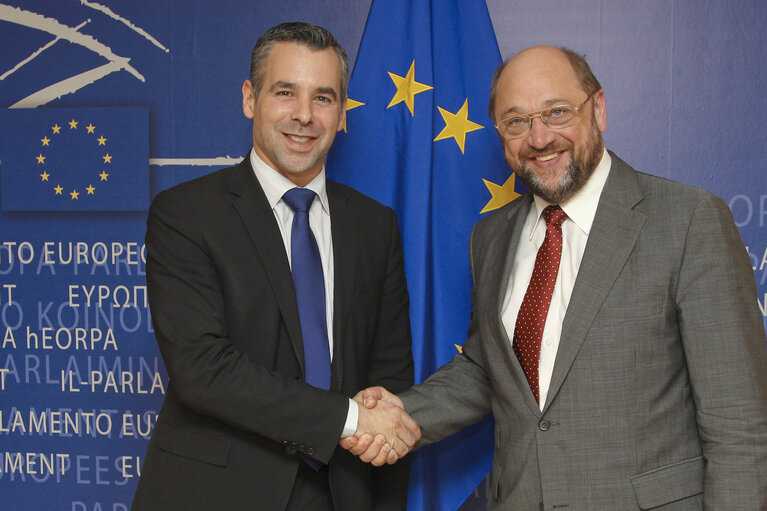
[74, 159]
[419, 138]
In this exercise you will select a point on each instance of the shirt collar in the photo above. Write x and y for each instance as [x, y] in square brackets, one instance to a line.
[581, 207]
[275, 184]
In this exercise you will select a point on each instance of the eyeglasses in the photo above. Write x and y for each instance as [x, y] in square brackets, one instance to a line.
[556, 117]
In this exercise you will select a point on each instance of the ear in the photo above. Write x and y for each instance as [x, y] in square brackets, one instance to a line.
[342, 115]
[600, 110]
[248, 99]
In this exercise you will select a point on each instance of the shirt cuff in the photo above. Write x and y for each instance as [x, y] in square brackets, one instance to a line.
[352, 417]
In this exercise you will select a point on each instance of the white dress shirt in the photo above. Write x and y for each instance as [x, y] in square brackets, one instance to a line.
[580, 210]
[275, 185]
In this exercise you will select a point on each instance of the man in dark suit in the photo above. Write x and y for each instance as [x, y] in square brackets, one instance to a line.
[615, 333]
[269, 312]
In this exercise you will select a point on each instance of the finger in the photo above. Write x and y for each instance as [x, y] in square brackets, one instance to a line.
[362, 445]
[383, 456]
[392, 459]
[348, 442]
[375, 447]
[400, 447]
[371, 396]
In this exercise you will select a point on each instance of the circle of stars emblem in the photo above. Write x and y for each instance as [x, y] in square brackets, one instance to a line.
[58, 135]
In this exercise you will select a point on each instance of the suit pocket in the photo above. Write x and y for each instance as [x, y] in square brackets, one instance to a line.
[194, 446]
[669, 483]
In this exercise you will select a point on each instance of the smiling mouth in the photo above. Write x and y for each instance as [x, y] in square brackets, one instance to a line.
[298, 139]
[547, 157]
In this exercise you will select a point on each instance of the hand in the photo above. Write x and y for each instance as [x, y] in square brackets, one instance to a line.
[376, 449]
[371, 396]
[370, 449]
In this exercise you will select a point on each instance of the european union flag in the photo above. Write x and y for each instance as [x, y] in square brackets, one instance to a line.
[419, 139]
[74, 159]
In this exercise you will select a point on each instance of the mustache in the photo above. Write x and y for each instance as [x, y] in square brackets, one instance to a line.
[551, 148]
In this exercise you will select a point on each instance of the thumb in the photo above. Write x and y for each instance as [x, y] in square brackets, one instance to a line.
[371, 396]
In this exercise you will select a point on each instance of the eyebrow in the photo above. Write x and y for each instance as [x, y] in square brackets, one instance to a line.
[328, 91]
[546, 104]
[279, 84]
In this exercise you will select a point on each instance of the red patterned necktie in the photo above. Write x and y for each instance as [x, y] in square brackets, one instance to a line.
[531, 319]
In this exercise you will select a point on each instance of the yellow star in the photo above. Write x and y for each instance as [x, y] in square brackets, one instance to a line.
[75, 194]
[107, 158]
[351, 105]
[90, 128]
[104, 175]
[502, 195]
[407, 88]
[90, 189]
[45, 176]
[459, 348]
[45, 140]
[40, 159]
[56, 128]
[102, 140]
[457, 125]
[58, 189]
[73, 124]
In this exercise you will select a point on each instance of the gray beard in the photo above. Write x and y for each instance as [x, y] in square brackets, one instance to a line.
[576, 174]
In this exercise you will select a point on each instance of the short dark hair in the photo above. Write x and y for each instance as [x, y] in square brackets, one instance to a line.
[306, 34]
[583, 73]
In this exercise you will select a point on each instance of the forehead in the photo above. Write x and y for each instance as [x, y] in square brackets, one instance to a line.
[537, 78]
[298, 64]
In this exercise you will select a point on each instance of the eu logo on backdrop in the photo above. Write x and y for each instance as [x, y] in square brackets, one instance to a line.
[74, 159]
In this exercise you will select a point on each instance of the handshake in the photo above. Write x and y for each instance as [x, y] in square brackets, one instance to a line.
[385, 432]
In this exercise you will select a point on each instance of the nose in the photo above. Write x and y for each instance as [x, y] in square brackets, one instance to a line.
[302, 110]
[540, 135]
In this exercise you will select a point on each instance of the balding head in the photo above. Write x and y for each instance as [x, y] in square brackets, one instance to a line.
[544, 60]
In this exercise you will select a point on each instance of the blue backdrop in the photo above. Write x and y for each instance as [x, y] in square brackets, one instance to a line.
[80, 375]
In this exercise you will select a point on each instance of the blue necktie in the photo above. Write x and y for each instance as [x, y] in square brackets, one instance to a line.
[309, 283]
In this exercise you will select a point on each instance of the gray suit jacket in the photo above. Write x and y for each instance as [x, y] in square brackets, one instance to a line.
[658, 398]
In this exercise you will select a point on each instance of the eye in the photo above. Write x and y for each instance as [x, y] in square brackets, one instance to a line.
[558, 111]
[323, 99]
[515, 122]
[284, 93]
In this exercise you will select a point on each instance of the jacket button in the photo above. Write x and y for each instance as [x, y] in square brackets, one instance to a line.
[310, 450]
[544, 425]
[291, 448]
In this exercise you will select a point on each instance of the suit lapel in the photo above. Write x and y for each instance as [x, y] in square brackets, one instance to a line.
[251, 204]
[497, 279]
[342, 226]
[613, 235]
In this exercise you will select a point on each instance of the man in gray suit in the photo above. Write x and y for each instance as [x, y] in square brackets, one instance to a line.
[635, 375]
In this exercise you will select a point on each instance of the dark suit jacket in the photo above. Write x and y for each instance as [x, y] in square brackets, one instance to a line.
[658, 398]
[224, 310]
